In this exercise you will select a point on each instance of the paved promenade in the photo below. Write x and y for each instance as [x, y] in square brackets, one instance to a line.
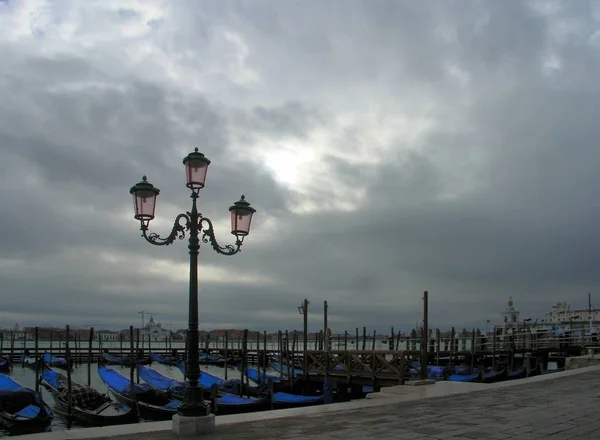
[565, 407]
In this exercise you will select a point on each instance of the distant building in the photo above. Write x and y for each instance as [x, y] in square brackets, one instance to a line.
[154, 331]
[107, 335]
[510, 321]
[562, 313]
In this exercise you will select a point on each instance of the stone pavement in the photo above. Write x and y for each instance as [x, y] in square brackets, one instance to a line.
[559, 409]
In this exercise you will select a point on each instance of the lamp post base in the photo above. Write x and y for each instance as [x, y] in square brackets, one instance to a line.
[184, 426]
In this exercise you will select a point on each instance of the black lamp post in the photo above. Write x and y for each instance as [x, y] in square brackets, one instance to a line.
[144, 201]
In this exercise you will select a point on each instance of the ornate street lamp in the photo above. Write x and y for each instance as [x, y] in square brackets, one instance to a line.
[144, 201]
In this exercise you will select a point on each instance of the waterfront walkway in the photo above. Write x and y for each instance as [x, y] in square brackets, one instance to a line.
[558, 408]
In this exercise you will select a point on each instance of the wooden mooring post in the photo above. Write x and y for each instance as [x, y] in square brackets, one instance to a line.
[305, 339]
[424, 335]
[89, 357]
[226, 353]
[37, 364]
[69, 382]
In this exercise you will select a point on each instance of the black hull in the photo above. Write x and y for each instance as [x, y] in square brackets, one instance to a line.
[91, 417]
[145, 410]
[171, 363]
[126, 362]
[521, 375]
[59, 366]
[502, 375]
[225, 410]
[16, 425]
[5, 368]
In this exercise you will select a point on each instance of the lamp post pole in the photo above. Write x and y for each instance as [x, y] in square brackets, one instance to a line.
[144, 197]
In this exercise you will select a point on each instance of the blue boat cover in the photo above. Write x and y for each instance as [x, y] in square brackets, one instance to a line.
[463, 377]
[516, 372]
[53, 360]
[27, 360]
[159, 381]
[116, 359]
[284, 369]
[259, 378]
[51, 377]
[490, 374]
[295, 398]
[119, 383]
[163, 359]
[462, 369]
[231, 399]
[206, 379]
[433, 371]
[164, 383]
[29, 411]
[3, 361]
[211, 358]
[6, 383]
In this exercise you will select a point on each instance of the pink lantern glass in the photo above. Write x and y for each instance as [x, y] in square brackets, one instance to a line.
[196, 166]
[241, 217]
[144, 200]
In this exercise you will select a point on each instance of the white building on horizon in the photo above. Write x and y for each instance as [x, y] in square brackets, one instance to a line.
[155, 331]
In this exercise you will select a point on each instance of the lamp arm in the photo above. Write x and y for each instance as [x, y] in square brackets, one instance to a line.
[178, 232]
[208, 236]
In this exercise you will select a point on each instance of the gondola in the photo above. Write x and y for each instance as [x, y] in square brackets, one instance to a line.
[231, 386]
[472, 377]
[433, 372]
[149, 403]
[212, 359]
[27, 361]
[494, 376]
[22, 408]
[285, 371]
[165, 360]
[225, 403]
[4, 364]
[54, 361]
[88, 406]
[283, 400]
[279, 383]
[519, 373]
[111, 359]
[260, 378]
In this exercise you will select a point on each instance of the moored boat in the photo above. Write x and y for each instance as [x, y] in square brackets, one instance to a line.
[5, 364]
[111, 359]
[519, 373]
[88, 406]
[472, 377]
[149, 403]
[55, 361]
[231, 386]
[494, 375]
[22, 408]
[225, 403]
[27, 361]
[283, 400]
[285, 371]
[165, 360]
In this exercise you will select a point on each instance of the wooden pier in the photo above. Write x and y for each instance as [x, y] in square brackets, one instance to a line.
[318, 361]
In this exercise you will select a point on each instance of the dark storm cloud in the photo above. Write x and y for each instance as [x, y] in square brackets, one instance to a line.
[458, 141]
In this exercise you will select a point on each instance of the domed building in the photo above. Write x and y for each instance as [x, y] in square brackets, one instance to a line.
[155, 331]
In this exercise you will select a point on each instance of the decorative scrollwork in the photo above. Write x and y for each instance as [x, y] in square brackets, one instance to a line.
[208, 236]
[178, 232]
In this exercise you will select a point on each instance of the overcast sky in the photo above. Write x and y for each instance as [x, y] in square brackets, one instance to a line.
[389, 147]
